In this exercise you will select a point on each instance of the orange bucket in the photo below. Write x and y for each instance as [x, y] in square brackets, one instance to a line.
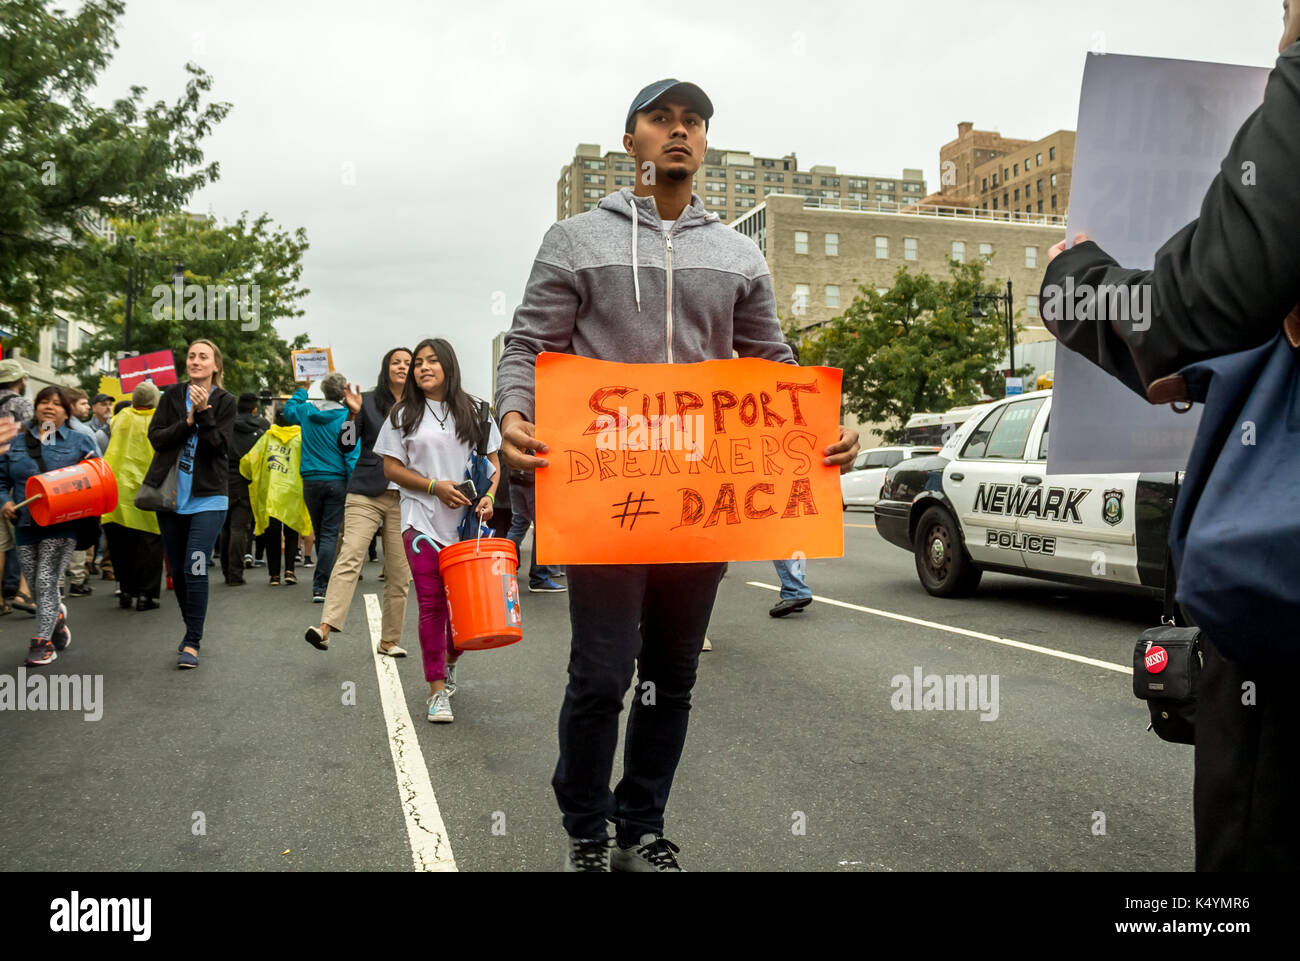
[482, 593]
[80, 490]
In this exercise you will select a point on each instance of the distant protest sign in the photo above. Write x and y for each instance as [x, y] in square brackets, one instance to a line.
[159, 367]
[312, 364]
[1152, 134]
[682, 463]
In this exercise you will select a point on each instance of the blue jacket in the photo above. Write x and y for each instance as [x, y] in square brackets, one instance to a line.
[322, 456]
[66, 446]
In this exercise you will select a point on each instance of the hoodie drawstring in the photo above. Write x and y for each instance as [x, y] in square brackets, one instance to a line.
[636, 280]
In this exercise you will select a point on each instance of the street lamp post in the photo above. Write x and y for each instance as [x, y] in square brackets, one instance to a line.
[1001, 299]
[178, 276]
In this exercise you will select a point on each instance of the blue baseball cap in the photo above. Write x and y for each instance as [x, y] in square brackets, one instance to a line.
[693, 95]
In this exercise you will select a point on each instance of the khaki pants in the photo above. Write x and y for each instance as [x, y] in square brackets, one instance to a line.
[362, 516]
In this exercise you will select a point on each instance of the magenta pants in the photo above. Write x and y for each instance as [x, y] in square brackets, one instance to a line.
[435, 622]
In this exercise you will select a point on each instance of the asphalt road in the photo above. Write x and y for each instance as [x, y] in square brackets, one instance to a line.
[796, 759]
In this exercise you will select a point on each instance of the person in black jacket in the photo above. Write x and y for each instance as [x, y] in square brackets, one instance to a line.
[1226, 282]
[193, 431]
[239, 517]
[372, 505]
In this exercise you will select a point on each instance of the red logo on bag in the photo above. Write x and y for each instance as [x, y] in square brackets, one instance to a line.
[1156, 660]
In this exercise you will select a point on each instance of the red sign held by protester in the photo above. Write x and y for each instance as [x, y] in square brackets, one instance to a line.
[159, 367]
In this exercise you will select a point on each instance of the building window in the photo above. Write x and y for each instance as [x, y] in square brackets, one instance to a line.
[884, 198]
[1017, 195]
[802, 294]
[801, 179]
[986, 252]
[745, 202]
[882, 248]
[801, 241]
[744, 175]
[743, 188]
[832, 245]
[857, 184]
[1031, 256]
[959, 251]
[1040, 206]
[1040, 185]
[1006, 174]
[985, 184]
[858, 197]
[1031, 307]
[1053, 180]
[624, 181]
[995, 203]
[801, 191]
[909, 248]
[995, 179]
[830, 181]
[1053, 201]
[593, 178]
[716, 172]
[884, 185]
[830, 195]
[1006, 199]
[710, 199]
[1015, 170]
[588, 206]
[595, 192]
[913, 188]
[594, 164]
[715, 185]
[832, 295]
[624, 165]
[774, 178]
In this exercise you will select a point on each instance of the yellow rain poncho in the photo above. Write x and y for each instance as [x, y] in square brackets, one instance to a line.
[129, 455]
[274, 484]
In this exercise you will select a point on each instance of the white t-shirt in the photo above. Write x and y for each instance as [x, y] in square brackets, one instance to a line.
[433, 450]
[668, 226]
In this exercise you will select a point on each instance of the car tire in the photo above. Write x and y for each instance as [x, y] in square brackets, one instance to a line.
[942, 564]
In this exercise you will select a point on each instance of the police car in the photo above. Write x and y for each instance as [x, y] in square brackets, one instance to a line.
[985, 502]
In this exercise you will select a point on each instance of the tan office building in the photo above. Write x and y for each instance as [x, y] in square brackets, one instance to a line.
[731, 182]
[995, 174]
[818, 254]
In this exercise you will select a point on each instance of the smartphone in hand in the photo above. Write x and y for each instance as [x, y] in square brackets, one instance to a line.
[466, 487]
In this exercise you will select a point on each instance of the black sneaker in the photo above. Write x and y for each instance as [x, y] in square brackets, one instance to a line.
[588, 855]
[125, 601]
[80, 590]
[146, 604]
[654, 853]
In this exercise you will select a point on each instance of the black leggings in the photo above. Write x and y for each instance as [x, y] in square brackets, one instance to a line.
[272, 535]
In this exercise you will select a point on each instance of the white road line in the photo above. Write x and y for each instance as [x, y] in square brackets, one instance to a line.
[430, 846]
[1051, 652]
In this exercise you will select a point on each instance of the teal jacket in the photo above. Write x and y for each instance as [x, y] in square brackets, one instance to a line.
[323, 457]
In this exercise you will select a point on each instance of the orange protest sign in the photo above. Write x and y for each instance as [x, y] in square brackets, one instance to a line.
[677, 463]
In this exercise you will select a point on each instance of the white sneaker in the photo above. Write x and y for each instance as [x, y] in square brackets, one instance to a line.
[440, 708]
[395, 651]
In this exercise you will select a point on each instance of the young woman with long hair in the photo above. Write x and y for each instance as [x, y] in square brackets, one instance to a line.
[373, 504]
[193, 430]
[47, 442]
[426, 442]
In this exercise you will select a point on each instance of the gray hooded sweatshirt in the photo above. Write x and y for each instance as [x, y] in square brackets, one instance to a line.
[608, 284]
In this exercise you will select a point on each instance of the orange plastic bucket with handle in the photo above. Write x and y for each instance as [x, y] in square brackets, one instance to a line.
[80, 490]
[482, 593]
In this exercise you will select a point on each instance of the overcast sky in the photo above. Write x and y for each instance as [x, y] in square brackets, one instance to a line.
[456, 121]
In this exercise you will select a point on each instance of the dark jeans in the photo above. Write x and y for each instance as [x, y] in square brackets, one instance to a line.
[12, 573]
[325, 500]
[274, 528]
[137, 560]
[1246, 778]
[235, 532]
[653, 616]
[523, 505]
[189, 540]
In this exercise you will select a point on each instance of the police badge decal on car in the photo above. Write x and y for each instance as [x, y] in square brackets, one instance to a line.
[1112, 506]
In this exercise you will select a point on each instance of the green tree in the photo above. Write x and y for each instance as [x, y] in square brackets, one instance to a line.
[66, 162]
[249, 257]
[913, 348]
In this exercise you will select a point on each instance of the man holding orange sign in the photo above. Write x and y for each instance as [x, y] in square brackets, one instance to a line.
[650, 278]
